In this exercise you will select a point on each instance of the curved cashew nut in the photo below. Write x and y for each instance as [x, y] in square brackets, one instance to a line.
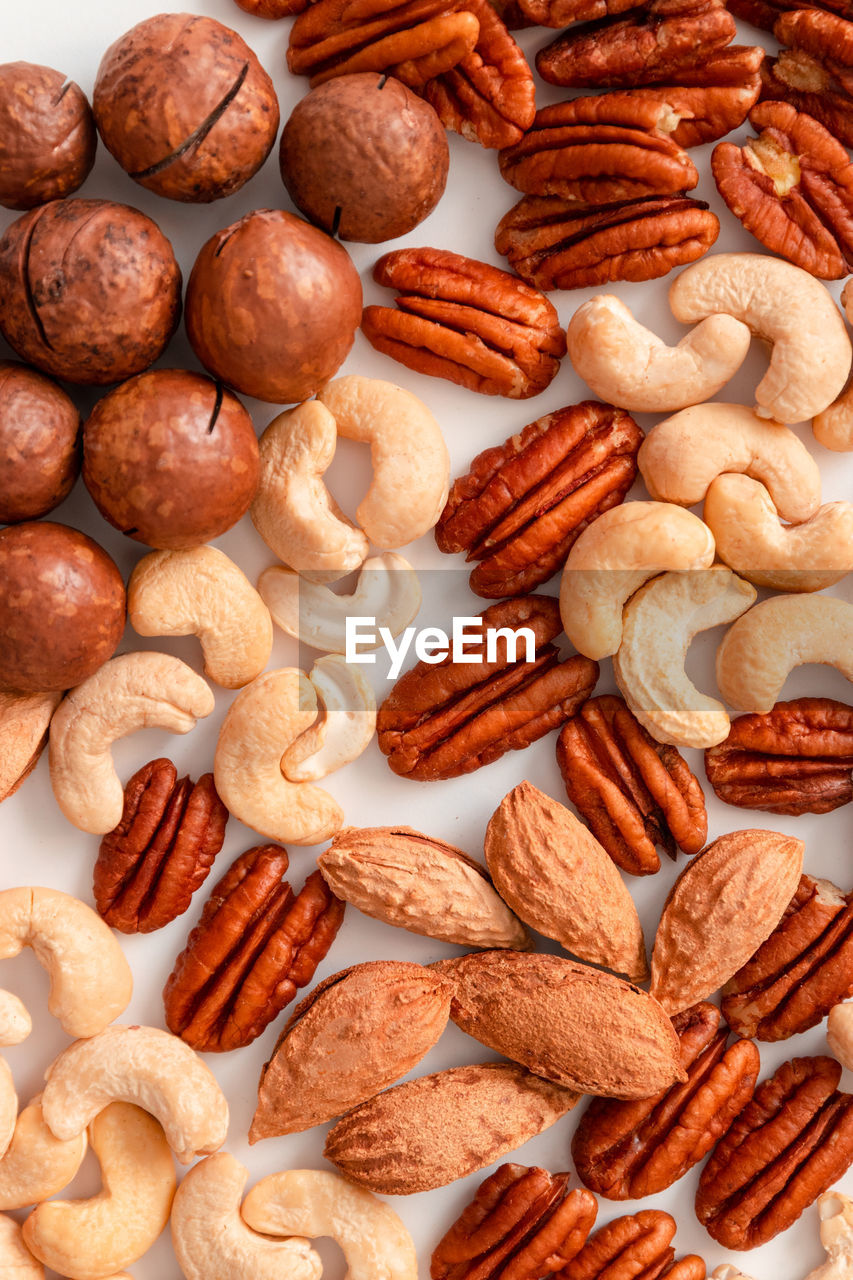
[833, 428]
[660, 621]
[92, 1239]
[15, 1022]
[411, 465]
[839, 1033]
[614, 556]
[16, 1261]
[347, 722]
[727, 1272]
[387, 591]
[90, 979]
[24, 720]
[36, 1164]
[211, 1240]
[682, 455]
[836, 1235]
[309, 1203]
[8, 1106]
[761, 650]
[788, 307]
[626, 364]
[201, 592]
[752, 541]
[133, 691]
[145, 1066]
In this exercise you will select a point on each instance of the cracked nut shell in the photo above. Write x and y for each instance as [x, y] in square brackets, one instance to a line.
[47, 135]
[40, 444]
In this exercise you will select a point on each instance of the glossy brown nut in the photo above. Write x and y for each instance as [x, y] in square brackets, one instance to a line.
[638, 1245]
[562, 13]
[62, 607]
[47, 135]
[185, 107]
[170, 458]
[272, 306]
[711, 104]
[89, 290]
[39, 443]
[814, 72]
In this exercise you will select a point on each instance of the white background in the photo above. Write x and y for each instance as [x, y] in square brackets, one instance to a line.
[37, 846]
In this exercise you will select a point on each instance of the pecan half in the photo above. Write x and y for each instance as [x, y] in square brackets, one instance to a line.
[628, 1150]
[522, 1224]
[788, 1145]
[466, 321]
[638, 1245]
[706, 110]
[522, 504]
[256, 943]
[763, 13]
[443, 720]
[562, 13]
[815, 73]
[797, 758]
[634, 793]
[151, 864]
[558, 244]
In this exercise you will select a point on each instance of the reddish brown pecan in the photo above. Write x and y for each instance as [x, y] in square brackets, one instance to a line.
[636, 1247]
[797, 758]
[466, 321]
[256, 943]
[764, 13]
[150, 866]
[522, 504]
[634, 793]
[522, 1224]
[562, 13]
[789, 1144]
[628, 1150]
[558, 244]
[727, 89]
[443, 720]
[815, 72]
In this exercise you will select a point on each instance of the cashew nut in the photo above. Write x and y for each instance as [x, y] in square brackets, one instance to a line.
[659, 623]
[90, 980]
[36, 1164]
[24, 720]
[836, 1235]
[682, 455]
[614, 556]
[16, 1261]
[839, 1033]
[133, 691]
[146, 1066]
[626, 364]
[786, 306]
[346, 724]
[92, 1239]
[761, 650]
[211, 1240]
[201, 592]
[304, 1202]
[752, 541]
[727, 1272]
[387, 591]
[15, 1022]
[833, 428]
[8, 1106]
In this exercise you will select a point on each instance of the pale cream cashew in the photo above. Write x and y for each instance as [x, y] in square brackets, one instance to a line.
[727, 1272]
[787, 307]
[346, 724]
[836, 1235]
[625, 363]
[16, 1261]
[24, 720]
[614, 556]
[659, 623]
[8, 1106]
[92, 1239]
[201, 592]
[751, 539]
[387, 591]
[303, 1202]
[411, 465]
[833, 428]
[90, 979]
[211, 1240]
[145, 1066]
[839, 1033]
[682, 455]
[761, 650]
[133, 691]
[36, 1164]
[15, 1022]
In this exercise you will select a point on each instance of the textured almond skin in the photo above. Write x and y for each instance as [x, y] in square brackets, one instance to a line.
[553, 872]
[572, 1024]
[720, 910]
[431, 1131]
[355, 1034]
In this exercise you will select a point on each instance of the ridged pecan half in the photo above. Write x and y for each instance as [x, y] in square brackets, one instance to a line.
[522, 504]
[764, 13]
[797, 758]
[709, 105]
[636, 1247]
[151, 864]
[522, 1224]
[789, 1144]
[634, 793]
[559, 244]
[466, 321]
[628, 1150]
[256, 943]
[442, 720]
[815, 72]
[562, 13]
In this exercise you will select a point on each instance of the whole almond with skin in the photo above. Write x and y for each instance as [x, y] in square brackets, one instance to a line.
[567, 1022]
[553, 872]
[356, 1033]
[720, 910]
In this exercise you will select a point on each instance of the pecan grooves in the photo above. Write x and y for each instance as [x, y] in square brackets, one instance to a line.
[709, 105]
[637, 1246]
[815, 72]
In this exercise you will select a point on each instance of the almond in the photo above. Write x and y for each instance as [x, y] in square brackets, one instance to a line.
[553, 872]
[724, 904]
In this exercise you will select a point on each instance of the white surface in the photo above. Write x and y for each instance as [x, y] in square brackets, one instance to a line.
[38, 846]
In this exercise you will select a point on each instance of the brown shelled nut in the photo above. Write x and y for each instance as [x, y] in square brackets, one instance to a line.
[40, 444]
[47, 135]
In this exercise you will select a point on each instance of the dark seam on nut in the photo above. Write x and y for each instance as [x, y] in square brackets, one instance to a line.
[28, 288]
[198, 135]
[220, 392]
